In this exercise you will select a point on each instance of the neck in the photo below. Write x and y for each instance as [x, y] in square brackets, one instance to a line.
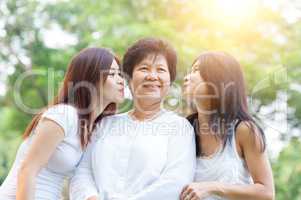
[144, 111]
[98, 109]
[203, 118]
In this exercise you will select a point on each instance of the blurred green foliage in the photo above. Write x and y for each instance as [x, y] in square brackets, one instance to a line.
[263, 40]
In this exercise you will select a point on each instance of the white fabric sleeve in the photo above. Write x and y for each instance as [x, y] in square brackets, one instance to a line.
[64, 115]
[82, 184]
[179, 170]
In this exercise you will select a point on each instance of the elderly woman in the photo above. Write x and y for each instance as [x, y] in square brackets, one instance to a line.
[147, 153]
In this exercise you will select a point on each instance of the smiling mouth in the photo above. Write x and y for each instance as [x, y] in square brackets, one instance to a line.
[152, 86]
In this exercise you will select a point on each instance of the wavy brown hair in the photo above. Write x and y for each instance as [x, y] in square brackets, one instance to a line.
[87, 70]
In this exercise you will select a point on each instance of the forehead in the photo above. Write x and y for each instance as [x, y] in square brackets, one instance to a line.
[114, 65]
[196, 64]
[153, 58]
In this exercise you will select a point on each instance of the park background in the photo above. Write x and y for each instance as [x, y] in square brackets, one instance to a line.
[38, 39]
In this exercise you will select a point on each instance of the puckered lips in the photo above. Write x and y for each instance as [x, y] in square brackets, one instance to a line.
[185, 84]
[185, 88]
[121, 90]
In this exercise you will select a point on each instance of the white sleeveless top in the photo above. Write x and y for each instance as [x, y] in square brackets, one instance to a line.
[49, 181]
[224, 166]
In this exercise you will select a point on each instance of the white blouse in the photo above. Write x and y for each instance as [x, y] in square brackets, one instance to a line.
[137, 160]
[50, 179]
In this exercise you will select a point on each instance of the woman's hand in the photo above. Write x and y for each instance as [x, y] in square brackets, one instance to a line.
[93, 198]
[198, 191]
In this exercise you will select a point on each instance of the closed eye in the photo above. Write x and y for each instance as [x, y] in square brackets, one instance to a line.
[143, 68]
[113, 73]
[120, 74]
[162, 69]
[195, 69]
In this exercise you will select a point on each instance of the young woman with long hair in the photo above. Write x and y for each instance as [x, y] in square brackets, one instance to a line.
[230, 145]
[56, 137]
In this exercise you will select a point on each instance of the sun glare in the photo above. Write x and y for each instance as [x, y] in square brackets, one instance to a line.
[238, 9]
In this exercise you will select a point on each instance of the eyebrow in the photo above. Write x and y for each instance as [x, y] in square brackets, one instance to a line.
[151, 64]
[115, 68]
[161, 64]
[145, 63]
[195, 65]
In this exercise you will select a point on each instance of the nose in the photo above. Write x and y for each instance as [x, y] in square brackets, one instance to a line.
[120, 80]
[186, 78]
[152, 75]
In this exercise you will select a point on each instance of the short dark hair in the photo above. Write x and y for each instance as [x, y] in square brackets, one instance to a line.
[143, 47]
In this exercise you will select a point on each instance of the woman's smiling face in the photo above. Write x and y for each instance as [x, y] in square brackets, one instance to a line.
[151, 78]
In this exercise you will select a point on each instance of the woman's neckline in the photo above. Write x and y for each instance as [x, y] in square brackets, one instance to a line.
[213, 155]
[153, 118]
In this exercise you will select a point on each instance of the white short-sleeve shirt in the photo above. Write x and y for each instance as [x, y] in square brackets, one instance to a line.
[49, 181]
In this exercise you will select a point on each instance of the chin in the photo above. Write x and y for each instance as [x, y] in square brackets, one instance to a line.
[152, 96]
[186, 94]
[188, 98]
[119, 100]
[152, 99]
[149, 94]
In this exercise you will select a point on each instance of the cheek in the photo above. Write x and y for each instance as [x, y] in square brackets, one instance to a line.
[165, 89]
[165, 78]
[137, 79]
[200, 89]
[197, 86]
[108, 85]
